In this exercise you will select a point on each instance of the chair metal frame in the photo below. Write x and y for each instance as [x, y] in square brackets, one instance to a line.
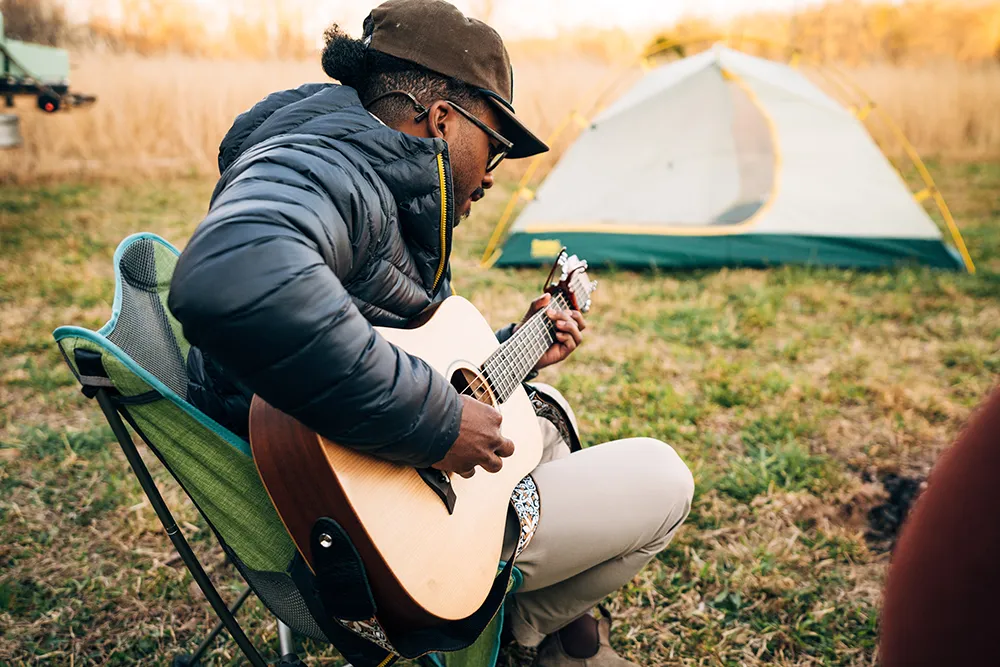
[226, 614]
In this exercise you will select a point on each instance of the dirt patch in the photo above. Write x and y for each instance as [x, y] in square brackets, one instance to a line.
[886, 519]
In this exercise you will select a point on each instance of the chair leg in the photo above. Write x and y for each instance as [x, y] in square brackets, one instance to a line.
[287, 644]
[285, 639]
[192, 660]
[183, 548]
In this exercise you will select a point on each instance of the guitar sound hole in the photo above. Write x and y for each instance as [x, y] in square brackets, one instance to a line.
[469, 382]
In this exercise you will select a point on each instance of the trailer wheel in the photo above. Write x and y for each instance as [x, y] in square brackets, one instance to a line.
[49, 102]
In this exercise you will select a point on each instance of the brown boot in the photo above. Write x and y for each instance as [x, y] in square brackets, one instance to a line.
[552, 654]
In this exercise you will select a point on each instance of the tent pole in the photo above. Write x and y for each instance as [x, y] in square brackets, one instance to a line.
[918, 162]
[490, 253]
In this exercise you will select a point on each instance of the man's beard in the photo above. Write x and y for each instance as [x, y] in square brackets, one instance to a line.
[477, 192]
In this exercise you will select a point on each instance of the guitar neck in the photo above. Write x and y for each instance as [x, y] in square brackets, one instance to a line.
[513, 360]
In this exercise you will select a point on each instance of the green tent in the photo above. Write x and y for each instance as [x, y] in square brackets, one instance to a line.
[725, 159]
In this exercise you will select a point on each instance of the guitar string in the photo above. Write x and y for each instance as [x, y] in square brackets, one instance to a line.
[535, 336]
[537, 340]
[519, 357]
[499, 361]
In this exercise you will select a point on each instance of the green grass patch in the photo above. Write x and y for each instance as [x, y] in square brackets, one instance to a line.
[776, 457]
[44, 442]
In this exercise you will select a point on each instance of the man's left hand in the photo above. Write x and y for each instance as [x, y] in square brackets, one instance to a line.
[569, 331]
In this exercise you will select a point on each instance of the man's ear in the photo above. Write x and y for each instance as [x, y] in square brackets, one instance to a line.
[440, 120]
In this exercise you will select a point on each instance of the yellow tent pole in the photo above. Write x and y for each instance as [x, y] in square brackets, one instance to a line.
[712, 37]
[925, 174]
[508, 211]
[829, 79]
[491, 260]
[612, 82]
[492, 253]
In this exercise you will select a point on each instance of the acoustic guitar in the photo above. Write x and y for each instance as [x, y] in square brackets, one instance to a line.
[430, 541]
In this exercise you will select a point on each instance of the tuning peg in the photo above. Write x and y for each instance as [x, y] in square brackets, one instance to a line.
[593, 285]
[556, 266]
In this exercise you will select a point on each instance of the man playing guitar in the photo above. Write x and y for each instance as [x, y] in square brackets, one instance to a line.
[333, 215]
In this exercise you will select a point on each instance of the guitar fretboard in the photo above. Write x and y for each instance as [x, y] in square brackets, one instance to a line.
[510, 364]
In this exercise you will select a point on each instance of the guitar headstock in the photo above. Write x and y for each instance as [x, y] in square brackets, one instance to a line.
[569, 278]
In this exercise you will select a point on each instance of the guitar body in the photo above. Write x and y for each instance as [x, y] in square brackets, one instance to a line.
[425, 566]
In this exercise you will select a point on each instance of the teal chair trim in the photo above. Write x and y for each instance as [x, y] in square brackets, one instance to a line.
[100, 338]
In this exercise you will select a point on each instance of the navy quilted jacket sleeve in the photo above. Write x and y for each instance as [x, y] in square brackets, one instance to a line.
[260, 288]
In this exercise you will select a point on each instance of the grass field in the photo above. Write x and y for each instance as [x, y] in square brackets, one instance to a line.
[792, 393]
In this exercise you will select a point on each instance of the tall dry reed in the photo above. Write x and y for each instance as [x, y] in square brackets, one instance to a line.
[167, 114]
[944, 109]
[155, 114]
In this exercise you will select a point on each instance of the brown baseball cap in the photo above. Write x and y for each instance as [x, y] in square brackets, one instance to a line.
[436, 35]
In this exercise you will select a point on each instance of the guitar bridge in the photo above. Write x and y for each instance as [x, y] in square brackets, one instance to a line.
[441, 485]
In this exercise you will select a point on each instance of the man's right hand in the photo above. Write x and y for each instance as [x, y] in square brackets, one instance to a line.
[479, 442]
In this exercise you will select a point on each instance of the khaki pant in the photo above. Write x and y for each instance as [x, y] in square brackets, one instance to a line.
[606, 511]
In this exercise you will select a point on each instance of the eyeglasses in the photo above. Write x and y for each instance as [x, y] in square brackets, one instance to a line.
[498, 150]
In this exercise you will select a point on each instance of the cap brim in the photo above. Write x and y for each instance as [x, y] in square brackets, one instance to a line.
[525, 143]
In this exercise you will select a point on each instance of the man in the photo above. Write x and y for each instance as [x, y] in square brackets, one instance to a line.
[334, 213]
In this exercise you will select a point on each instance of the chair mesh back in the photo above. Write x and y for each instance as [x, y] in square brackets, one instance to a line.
[148, 333]
[145, 330]
[282, 597]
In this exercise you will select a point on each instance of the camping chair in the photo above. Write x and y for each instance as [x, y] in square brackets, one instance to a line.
[135, 366]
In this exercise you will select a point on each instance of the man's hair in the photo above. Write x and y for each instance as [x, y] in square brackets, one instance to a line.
[373, 73]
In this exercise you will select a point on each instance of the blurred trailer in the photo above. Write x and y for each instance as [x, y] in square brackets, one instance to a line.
[33, 70]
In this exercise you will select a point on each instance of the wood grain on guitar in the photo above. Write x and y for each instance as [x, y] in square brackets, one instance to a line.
[427, 563]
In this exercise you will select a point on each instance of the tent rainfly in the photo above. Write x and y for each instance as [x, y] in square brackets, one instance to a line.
[725, 159]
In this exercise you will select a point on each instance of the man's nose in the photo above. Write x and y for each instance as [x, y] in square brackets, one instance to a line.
[488, 181]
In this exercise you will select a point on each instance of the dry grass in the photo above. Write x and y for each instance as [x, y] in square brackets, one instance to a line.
[155, 114]
[791, 393]
[167, 114]
[944, 109]
[911, 31]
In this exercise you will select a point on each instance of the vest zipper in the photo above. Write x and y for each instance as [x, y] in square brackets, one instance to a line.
[444, 222]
